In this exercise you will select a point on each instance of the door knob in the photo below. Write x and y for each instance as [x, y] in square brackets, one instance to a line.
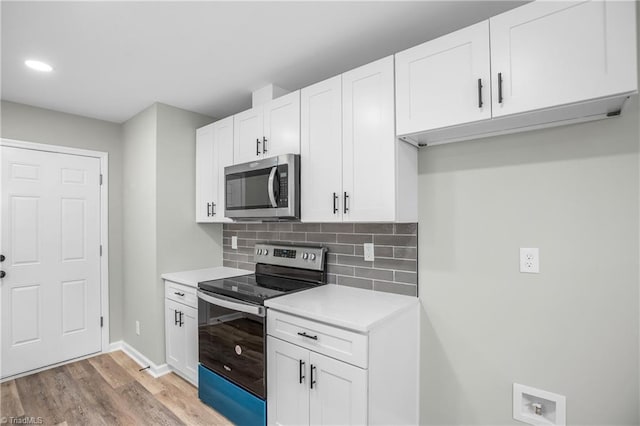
[2, 258]
[2, 274]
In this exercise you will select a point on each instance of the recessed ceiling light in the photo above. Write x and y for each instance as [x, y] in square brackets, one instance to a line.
[38, 65]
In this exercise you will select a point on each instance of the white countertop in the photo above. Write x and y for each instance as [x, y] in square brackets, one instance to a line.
[347, 307]
[192, 278]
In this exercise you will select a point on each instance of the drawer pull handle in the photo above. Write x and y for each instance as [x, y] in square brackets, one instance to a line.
[178, 293]
[303, 334]
[301, 371]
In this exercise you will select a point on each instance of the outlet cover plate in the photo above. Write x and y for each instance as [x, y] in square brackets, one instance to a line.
[530, 260]
[554, 406]
[369, 254]
[234, 242]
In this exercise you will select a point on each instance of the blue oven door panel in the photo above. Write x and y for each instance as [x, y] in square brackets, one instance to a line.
[230, 400]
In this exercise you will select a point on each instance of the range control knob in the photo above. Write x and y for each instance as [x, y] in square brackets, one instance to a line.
[305, 256]
[265, 252]
[312, 256]
[259, 251]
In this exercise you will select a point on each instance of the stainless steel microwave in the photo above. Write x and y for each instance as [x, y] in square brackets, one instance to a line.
[267, 189]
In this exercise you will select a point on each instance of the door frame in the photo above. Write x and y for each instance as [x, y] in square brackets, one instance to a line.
[104, 219]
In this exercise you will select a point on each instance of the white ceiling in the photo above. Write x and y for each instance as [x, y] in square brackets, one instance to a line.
[113, 59]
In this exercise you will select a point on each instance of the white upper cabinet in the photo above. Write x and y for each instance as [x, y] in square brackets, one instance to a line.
[282, 126]
[321, 151]
[214, 151]
[248, 135]
[445, 81]
[551, 63]
[268, 130]
[352, 165]
[369, 143]
[554, 53]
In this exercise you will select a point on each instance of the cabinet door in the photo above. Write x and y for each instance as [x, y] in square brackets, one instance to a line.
[174, 335]
[190, 333]
[282, 125]
[321, 151]
[339, 393]
[223, 154]
[369, 143]
[287, 383]
[554, 53]
[444, 82]
[205, 174]
[247, 135]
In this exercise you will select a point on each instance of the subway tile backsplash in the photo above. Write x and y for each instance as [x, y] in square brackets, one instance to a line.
[394, 270]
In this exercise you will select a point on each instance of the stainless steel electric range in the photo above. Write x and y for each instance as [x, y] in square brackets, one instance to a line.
[232, 327]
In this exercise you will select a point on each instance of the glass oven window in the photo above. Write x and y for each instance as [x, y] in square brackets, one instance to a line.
[232, 343]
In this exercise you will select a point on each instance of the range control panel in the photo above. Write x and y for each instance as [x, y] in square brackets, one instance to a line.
[305, 257]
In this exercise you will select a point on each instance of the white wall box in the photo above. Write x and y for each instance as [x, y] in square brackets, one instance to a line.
[214, 151]
[268, 130]
[353, 167]
[181, 330]
[552, 63]
[318, 373]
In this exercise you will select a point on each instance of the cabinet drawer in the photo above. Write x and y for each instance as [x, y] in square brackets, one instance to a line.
[334, 342]
[181, 293]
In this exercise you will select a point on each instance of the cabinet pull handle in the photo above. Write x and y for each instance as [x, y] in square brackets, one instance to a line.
[177, 293]
[264, 144]
[500, 88]
[213, 209]
[303, 334]
[301, 370]
[345, 209]
[175, 317]
[335, 203]
[181, 320]
[313, 381]
[479, 93]
[257, 146]
[208, 209]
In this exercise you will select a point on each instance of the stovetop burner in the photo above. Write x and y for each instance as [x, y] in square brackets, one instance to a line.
[280, 269]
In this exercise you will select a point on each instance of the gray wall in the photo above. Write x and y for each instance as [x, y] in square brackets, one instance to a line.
[572, 329]
[141, 292]
[27, 123]
[160, 233]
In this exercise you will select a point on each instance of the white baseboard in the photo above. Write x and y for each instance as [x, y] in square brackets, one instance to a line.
[154, 369]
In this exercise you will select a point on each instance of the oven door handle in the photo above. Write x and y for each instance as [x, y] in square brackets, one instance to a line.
[272, 195]
[230, 303]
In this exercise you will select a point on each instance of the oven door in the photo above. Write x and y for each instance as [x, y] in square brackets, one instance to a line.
[231, 340]
[263, 189]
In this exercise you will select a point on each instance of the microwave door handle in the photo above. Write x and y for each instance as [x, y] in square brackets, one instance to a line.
[233, 304]
[272, 195]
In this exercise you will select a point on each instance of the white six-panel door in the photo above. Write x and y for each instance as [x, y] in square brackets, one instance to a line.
[321, 151]
[51, 239]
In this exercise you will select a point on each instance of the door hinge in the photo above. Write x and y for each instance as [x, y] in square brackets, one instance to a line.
[101, 179]
[100, 249]
[101, 321]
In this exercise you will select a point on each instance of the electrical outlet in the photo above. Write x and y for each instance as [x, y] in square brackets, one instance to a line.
[530, 260]
[138, 328]
[369, 255]
[234, 243]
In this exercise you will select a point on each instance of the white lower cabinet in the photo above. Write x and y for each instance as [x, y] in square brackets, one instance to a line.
[181, 330]
[320, 374]
[305, 387]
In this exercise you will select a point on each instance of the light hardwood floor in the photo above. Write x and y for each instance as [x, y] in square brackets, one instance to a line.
[107, 389]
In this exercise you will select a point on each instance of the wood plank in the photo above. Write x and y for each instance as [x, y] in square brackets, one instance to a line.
[152, 384]
[10, 405]
[191, 410]
[80, 369]
[69, 399]
[146, 408]
[110, 371]
[37, 399]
